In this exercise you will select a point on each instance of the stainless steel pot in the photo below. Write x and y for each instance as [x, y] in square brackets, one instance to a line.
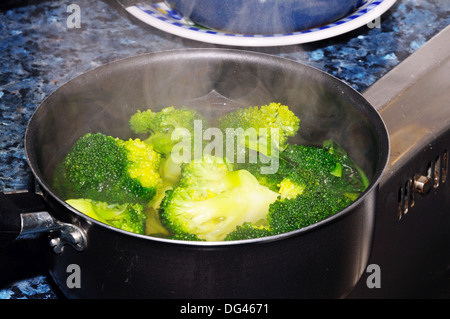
[324, 260]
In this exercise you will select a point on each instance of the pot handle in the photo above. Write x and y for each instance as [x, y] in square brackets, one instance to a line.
[12, 205]
[23, 213]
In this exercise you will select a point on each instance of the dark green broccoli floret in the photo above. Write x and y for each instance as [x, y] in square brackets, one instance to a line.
[167, 127]
[267, 128]
[298, 166]
[108, 169]
[249, 231]
[185, 236]
[129, 217]
[328, 181]
[314, 183]
[302, 164]
[211, 200]
[306, 209]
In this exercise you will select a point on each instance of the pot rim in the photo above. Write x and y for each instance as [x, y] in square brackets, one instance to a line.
[377, 121]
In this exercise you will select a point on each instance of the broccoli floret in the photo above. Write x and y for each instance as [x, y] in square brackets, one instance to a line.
[104, 168]
[129, 217]
[314, 183]
[211, 200]
[160, 126]
[302, 166]
[267, 127]
[289, 188]
[327, 167]
[320, 182]
[289, 175]
[185, 236]
[249, 231]
[207, 174]
[294, 213]
[318, 160]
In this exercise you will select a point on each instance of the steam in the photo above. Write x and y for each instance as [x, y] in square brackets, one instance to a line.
[233, 141]
[263, 17]
[213, 82]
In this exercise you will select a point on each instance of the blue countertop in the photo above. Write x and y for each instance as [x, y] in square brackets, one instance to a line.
[39, 53]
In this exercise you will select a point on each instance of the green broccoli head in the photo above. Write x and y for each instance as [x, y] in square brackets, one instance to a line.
[249, 231]
[160, 126]
[292, 175]
[108, 169]
[129, 217]
[267, 128]
[318, 182]
[291, 188]
[302, 166]
[185, 236]
[294, 213]
[313, 182]
[211, 200]
[328, 166]
[206, 174]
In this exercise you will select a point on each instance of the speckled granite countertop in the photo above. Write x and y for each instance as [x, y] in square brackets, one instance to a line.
[38, 53]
